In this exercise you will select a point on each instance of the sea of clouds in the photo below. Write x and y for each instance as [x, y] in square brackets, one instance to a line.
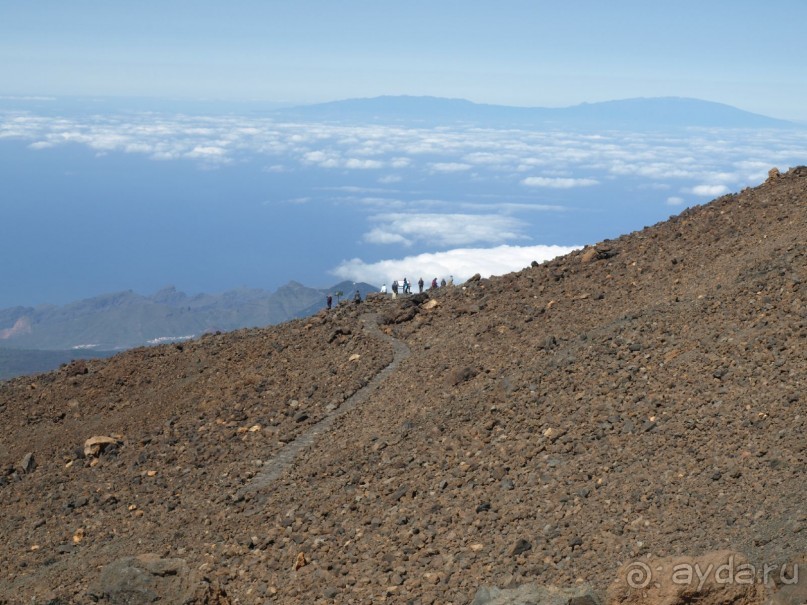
[507, 179]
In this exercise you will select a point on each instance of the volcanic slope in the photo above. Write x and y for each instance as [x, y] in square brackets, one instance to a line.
[641, 396]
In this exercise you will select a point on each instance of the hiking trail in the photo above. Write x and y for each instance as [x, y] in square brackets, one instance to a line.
[284, 459]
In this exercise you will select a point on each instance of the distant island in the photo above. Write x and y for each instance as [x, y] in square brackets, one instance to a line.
[639, 113]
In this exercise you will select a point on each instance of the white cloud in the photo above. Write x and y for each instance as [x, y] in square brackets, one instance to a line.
[709, 190]
[207, 152]
[355, 163]
[295, 201]
[486, 158]
[558, 183]
[400, 162]
[320, 158]
[462, 263]
[675, 201]
[454, 229]
[509, 207]
[390, 179]
[449, 167]
[384, 203]
[384, 236]
[25, 98]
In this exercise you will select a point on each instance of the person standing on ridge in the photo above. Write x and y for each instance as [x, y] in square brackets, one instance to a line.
[357, 297]
[329, 300]
[420, 285]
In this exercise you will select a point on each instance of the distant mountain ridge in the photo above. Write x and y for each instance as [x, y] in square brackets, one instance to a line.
[126, 319]
[654, 112]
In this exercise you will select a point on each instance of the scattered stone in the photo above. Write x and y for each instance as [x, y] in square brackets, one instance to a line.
[520, 547]
[399, 493]
[27, 464]
[331, 592]
[337, 333]
[550, 342]
[599, 252]
[460, 375]
[95, 446]
[588, 255]
[76, 368]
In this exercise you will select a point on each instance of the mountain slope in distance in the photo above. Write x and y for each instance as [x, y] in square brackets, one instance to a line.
[126, 319]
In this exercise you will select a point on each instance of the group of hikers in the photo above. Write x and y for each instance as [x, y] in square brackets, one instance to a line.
[402, 287]
[405, 286]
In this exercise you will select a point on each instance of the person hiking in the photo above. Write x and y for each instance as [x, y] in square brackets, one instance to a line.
[395, 289]
[329, 300]
[434, 283]
[443, 282]
[405, 286]
[384, 289]
[357, 297]
[420, 285]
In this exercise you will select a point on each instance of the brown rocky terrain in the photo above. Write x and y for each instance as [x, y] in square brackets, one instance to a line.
[635, 401]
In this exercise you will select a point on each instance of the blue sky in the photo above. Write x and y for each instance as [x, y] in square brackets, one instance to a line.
[516, 52]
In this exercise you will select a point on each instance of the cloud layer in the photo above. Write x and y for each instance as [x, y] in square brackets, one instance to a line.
[461, 263]
[696, 163]
[441, 230]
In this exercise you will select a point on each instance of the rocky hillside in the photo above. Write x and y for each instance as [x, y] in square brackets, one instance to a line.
[639, 399]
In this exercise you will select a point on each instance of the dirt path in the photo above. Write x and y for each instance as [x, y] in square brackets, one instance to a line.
[284, 459]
